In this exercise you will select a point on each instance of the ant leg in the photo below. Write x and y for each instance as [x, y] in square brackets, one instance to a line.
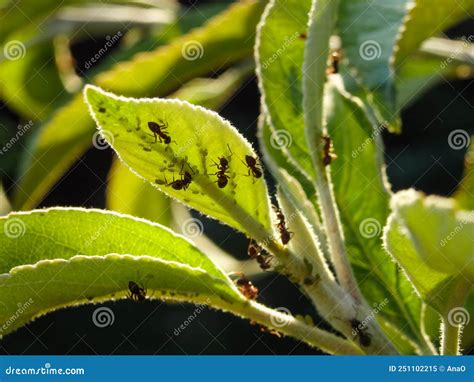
[153, 135]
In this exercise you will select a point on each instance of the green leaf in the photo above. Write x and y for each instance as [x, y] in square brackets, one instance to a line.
[29, 79]
[421, 73]
[4, 203]
[276, 160]
[225, 39]
[364, 210]
[465, 192]
[128, 194]
[367, 34]
[198, 137]
[90, 232]
[71, 248]
[442, 243]
[164, 263]
[32, 13]
[279, 56]
[213, 93]
[58, 147]
[30, 291]
[80, 242]
[427, 18]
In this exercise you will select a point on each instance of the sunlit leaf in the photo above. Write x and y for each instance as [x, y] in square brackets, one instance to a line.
[427, 18]
[365, 209]
[182, 159]
[279, 56]
[224, 39]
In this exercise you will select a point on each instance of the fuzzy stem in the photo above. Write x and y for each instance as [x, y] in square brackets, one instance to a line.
[451, 326]
[293, 327]
[450, 338]
[333, 303]
[322, 20]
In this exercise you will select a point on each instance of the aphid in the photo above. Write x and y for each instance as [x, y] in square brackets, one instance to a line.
[253, 166]
[102, 110]
[335, 60]
[136, 292]
[255, 252]
[365, 338]
[285, 235]
[273, 332]
[328, 151]
[222, 167]
[246, 287]
[158, 130]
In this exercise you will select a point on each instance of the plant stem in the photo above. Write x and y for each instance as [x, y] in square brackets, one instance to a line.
[450, 339]
[333, 303]
[322, 20]
[293, 327]
[454, 317]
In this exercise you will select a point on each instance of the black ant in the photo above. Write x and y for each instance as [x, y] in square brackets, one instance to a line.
[253, 166]
[302, 36]
[335, 60]
[223, 167]
[158, 131]
[285, 235]
[184, 182]
[246, 287]
[137, 293]
[365, 338]
[328, 151]
[255, 252]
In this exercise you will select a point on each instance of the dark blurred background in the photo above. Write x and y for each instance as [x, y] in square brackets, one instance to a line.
[420, 157]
